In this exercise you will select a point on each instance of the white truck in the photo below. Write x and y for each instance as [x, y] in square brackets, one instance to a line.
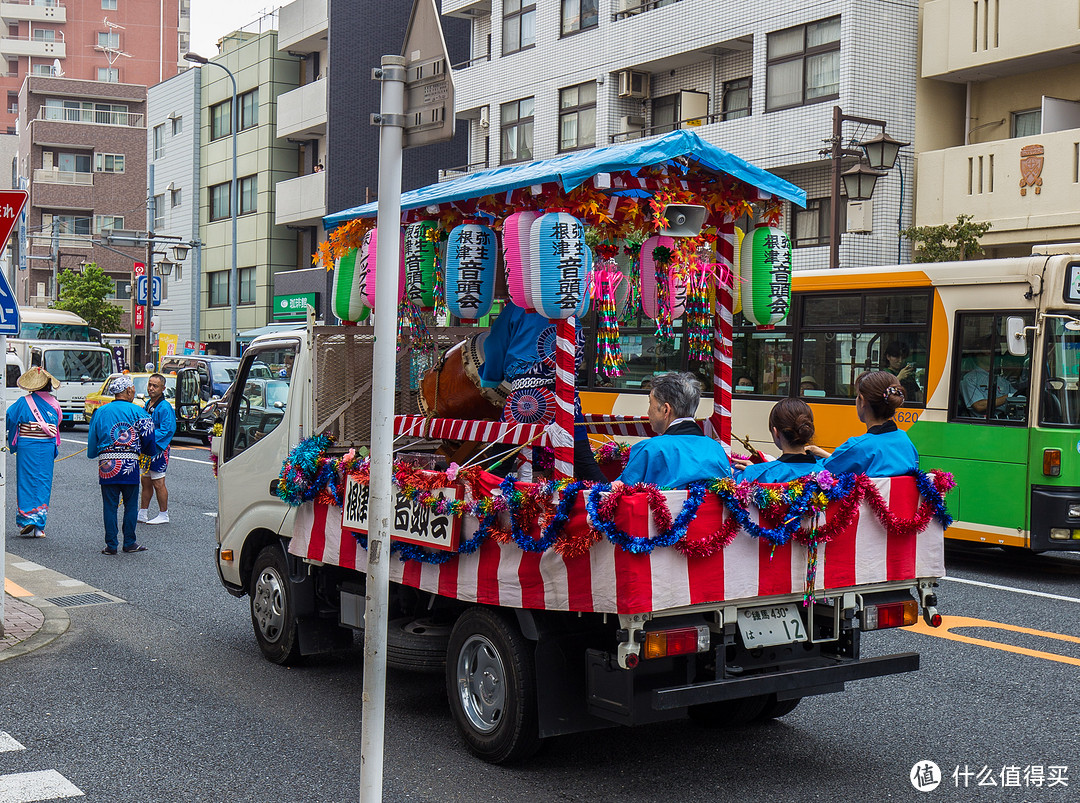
[540, 645]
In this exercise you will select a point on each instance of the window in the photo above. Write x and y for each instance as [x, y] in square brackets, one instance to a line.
[73, 162]
[159, 212]
[219, 201]
[108, 75]
[519, 25]
[812, 226]
[249, 109]
[44, 35]
[175, 198]
[109, 162]
[74, 111]
[221, 119]
[264, 400]
[517, 130]
[577, 116]
[803, 65]
[67, 224]
[109, 40]
[982, 361]
[159, 141]
[665, 113]
[219, 288]
[105, 222]
[249, 195]
[13, 66]
[736, 99]
[578, 15]
[1027, 124]
[177, 125]
[246, 280]
[123, 290]
[108, 5]
[42, 69]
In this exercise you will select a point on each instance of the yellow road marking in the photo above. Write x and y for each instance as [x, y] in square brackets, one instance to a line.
[948, 623]
[15, 589]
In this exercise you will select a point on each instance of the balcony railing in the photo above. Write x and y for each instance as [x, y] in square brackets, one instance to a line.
[475, 60]
[656, 130]
[54, 176]
[630, 8]
[445, 174]
[65, 240]
[92, 116]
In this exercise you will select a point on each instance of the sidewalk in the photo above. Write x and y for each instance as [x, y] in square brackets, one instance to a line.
[28, 623]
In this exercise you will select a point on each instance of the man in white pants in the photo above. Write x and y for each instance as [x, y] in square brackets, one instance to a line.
[153, 479]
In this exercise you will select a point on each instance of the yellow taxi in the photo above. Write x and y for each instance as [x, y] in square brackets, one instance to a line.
[102, 396]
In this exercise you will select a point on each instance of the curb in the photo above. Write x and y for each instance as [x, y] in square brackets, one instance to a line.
[55, 625]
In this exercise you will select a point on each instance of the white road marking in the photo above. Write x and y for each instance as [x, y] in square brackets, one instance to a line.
[171, 457]
[210, 513]
[25, 787]
[27, 566]
[1014, 590]
[8, 743]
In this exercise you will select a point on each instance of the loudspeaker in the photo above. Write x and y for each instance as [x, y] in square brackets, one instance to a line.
[684, 220]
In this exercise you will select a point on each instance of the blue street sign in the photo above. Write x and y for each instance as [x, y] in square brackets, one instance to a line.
[11, 206]
[9, 310]
[140, 291]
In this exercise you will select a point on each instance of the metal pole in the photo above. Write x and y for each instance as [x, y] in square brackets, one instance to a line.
[234, 202]
[151, 208]
[56, 263]
[3, 486]
[373, 717]
[834, 193]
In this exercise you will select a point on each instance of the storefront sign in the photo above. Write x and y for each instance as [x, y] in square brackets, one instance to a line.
[293, 305]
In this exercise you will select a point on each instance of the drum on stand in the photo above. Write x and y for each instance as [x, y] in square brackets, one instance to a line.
[452, 388]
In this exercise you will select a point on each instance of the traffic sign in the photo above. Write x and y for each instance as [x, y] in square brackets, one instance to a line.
[429, 87]
[140, 291]
[140, 269]
[11, 206]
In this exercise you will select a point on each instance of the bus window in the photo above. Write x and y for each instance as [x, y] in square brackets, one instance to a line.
[982, 362]
[1059, 396]
[762, 360]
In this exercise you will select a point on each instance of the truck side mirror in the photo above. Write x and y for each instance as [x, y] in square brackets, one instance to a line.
[1016, 336]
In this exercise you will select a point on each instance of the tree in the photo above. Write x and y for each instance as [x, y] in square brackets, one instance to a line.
[86, 293]
[946, 243]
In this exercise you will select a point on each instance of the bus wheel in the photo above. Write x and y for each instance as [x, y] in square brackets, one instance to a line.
[491, 683]
[726, 713]
[272, 605]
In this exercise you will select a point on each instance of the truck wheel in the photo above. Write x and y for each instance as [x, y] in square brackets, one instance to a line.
[272, 608]
[416, 645]
[728, 712]
[491, 683]
[777, 708]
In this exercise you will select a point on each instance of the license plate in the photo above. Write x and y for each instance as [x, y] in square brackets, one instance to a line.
[771, 625]
[78, 417]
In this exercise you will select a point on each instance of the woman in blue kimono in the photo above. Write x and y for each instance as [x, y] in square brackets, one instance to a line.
[885, 450]
[33, 431]
[791, 423]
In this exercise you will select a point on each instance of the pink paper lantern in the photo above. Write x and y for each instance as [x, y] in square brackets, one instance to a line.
[518, 255]
[369, 254]
[650, 297]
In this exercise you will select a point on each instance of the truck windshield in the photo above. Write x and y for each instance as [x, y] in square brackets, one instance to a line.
[1060, 405]
[35, 330]
[224, 372]
[74, 365]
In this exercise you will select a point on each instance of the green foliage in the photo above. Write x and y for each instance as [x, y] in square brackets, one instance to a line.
[947, 243]
[86, 293]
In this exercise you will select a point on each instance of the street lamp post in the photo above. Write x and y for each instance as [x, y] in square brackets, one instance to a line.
[234, 200]
[880, 152]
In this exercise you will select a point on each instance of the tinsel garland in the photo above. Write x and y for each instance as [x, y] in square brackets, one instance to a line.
[612, 452]
[699, 328]
[309, 474]
[609, 352]
[632, 311]
[665, 324]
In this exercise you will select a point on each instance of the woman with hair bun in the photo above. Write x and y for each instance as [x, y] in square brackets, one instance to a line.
[885, 450]
[791, 423]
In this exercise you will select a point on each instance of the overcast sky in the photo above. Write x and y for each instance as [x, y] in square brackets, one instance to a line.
[212, 19]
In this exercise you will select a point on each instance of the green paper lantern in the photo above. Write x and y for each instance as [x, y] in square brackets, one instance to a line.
[421, 263]
[348, 302]
[765, 266]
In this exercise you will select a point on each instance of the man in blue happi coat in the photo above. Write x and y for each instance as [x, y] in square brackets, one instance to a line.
[120, 433]
[680, 453]
[153, 478]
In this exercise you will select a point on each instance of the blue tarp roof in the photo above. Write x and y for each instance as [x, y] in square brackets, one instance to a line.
[572, 169]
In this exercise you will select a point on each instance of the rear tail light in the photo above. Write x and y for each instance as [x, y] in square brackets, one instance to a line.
[890, 614]
[679, 641]
[1052, 462]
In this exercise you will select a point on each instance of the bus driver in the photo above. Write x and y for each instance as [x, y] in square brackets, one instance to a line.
[974, 386]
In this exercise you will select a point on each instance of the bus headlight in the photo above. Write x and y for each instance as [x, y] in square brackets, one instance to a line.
[1074, 511]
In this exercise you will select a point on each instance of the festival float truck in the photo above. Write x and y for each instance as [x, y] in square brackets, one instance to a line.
[557, 606]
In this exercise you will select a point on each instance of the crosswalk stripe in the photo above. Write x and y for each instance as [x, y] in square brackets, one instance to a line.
[26, 787]
[8, 743]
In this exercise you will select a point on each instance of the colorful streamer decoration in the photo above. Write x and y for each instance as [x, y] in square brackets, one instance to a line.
[369, 255]
[348, 300]
[663, 290]
[608, 278]
[558, 265]
[765, 265]
[422, 264]
[517, 253]
[699, 324]
[471, 258]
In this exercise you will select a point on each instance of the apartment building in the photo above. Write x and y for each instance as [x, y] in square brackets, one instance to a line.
[998, 110]
[263, 74]
[759, 79]
[82, 152]
[115, 41]
[327, 121]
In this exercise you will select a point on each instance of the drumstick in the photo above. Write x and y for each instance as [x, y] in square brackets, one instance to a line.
[756, 456]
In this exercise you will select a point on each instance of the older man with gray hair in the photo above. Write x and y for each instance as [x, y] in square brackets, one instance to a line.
[681, 453]
[120, 434]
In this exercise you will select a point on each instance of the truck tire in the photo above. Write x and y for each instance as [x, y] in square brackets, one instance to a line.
[777, 708]
[272, 608]
[491, 683]
[727, 713]
[416, 645]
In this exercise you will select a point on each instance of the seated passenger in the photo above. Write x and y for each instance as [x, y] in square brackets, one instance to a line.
[896, 363]
[885, 450]
[792, 426]
[680, 453]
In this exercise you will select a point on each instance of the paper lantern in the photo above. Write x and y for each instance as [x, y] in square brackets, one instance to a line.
[471, 259]
[517, 229]
[348, 301]
[736, 280]
[590, 286]
[421, 263]
[765, 266]
[558, 265]
[369, 256]
[676, 285]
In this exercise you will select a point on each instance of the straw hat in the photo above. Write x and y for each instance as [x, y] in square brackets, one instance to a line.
[37, 378]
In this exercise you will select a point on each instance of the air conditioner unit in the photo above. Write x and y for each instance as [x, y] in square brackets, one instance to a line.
[632, 122]
[627, 8]
[633, 84]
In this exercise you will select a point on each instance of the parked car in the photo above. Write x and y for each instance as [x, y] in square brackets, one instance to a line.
[216, 373]
[102, 396]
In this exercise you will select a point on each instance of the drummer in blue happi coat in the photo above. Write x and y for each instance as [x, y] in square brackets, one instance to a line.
[680, 453]
[791, 423]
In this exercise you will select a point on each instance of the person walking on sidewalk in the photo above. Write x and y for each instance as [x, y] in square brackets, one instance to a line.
[120, 433]
[33, 431]
[153, 478]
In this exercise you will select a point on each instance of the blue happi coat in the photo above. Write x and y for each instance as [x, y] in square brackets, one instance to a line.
[680, 456]
[884, 451]
[164, 418]
[119, 433]
[786, 468]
